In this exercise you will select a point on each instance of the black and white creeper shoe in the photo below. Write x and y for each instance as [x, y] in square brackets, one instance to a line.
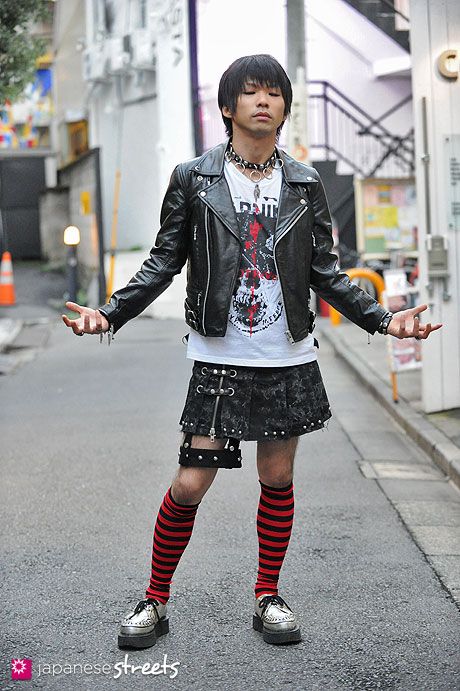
[275, 620]
[141, 627]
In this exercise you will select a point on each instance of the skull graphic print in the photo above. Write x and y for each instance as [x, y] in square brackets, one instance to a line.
[257, 301]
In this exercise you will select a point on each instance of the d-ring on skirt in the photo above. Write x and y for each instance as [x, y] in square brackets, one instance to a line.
[255, 403]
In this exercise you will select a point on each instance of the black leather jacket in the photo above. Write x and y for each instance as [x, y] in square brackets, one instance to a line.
[199, 226]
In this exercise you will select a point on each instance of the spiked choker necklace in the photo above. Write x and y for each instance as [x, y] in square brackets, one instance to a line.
[258, 170]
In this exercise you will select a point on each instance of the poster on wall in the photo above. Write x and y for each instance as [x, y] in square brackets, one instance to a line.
[405, 354]
[386, 216]
[25, 123]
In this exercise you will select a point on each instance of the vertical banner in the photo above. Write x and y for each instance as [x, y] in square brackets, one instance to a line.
[298, 124]
[175, 142]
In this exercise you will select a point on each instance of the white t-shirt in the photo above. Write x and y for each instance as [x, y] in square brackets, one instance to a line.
[256, 329]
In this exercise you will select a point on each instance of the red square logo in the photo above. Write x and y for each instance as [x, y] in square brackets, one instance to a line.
[21, 668]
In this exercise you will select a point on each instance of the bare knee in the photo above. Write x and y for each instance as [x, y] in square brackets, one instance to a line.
[275, 462]
[191, 484]
[273, 479]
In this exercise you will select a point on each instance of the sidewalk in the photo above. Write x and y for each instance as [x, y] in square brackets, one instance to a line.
[438, 434]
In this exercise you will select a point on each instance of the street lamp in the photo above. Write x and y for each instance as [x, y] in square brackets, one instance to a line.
[72, 239]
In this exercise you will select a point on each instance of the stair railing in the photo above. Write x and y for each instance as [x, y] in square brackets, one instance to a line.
[342, 130]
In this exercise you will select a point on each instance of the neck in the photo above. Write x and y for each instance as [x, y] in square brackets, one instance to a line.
[253, 150]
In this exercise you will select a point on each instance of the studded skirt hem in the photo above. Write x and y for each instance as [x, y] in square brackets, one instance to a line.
[255, 403]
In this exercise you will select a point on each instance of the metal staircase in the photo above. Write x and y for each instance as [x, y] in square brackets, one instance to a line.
[387, 17]
[339, 129]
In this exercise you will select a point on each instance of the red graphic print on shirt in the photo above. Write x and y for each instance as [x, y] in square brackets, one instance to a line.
[257, 298]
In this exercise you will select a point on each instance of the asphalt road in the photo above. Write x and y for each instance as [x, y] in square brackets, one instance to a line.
[89, 439]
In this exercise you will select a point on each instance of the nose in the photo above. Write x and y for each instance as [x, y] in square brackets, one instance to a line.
[262, 99]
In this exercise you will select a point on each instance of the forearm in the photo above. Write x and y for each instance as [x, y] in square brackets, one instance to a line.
[350, 300]
[152, 279]
[166, 259]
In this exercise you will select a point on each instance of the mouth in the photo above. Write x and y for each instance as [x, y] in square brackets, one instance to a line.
[262, 116]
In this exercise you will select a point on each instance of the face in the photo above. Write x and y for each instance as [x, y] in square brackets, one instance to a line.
[259, 110]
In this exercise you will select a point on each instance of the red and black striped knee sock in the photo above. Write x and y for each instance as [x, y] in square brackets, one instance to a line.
[275, 515]
[173, 529]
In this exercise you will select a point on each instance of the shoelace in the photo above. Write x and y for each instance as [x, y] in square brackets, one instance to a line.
[142, 605]
[272, 600]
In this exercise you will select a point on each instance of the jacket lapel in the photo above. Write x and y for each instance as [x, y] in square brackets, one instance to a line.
[217, 197]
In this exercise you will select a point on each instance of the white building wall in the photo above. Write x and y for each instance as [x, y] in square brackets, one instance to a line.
[127, 136]
[434, 29]
[140, 116]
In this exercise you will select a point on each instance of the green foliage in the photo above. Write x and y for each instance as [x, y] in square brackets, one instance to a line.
[18, 48]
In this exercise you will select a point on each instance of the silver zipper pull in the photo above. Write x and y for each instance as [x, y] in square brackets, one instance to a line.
[212, 434]
[289, 336]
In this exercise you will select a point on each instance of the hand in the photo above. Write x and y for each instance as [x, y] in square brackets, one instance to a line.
[90, 321]
[406, 324]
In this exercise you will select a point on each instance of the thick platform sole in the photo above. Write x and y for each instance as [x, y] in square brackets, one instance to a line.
[275, 637]
[146, 640]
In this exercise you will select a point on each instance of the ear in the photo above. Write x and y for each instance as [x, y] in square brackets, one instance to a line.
[226, 112]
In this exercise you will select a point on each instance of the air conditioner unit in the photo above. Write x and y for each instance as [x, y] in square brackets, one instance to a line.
[95, 63]
[143, 46]
[119, 56]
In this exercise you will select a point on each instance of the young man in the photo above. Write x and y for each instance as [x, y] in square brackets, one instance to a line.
[254, 228]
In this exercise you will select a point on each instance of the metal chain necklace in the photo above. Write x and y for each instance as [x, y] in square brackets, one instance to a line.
[258, 170]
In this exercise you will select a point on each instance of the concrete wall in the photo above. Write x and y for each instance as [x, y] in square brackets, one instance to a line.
[81, 177]
[69, 89]
[127, 138]
[54, 217]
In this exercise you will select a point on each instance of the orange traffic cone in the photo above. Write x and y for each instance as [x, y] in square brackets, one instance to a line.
[7, 295]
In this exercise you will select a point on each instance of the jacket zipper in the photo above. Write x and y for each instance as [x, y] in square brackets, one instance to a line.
[206, 213]
[287, 333]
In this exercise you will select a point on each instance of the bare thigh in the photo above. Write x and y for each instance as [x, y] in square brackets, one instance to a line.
[275, 461]
[191, 484]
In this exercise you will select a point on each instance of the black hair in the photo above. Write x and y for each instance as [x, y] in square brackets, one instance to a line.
[260, 69]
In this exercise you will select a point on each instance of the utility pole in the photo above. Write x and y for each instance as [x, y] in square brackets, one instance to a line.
[295, 37]
[298, 143]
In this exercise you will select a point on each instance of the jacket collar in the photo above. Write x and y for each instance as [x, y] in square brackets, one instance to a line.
[212, 163]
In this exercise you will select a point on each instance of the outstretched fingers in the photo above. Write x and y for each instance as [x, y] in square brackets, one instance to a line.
[426, 329]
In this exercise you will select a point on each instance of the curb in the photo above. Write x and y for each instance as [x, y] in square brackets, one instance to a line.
[443, 452]
[9, 330]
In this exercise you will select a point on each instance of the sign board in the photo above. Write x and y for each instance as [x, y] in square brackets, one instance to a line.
[386, 216]
[405, 354]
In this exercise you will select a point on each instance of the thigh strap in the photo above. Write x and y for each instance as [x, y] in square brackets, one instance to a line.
[228, 457]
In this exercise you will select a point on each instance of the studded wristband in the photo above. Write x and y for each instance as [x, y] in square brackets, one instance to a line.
[385, 323]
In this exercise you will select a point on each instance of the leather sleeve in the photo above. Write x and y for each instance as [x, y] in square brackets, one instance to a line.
[166, 259]
[328, 282]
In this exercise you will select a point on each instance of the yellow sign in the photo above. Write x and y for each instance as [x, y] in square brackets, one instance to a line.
[85, 203]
